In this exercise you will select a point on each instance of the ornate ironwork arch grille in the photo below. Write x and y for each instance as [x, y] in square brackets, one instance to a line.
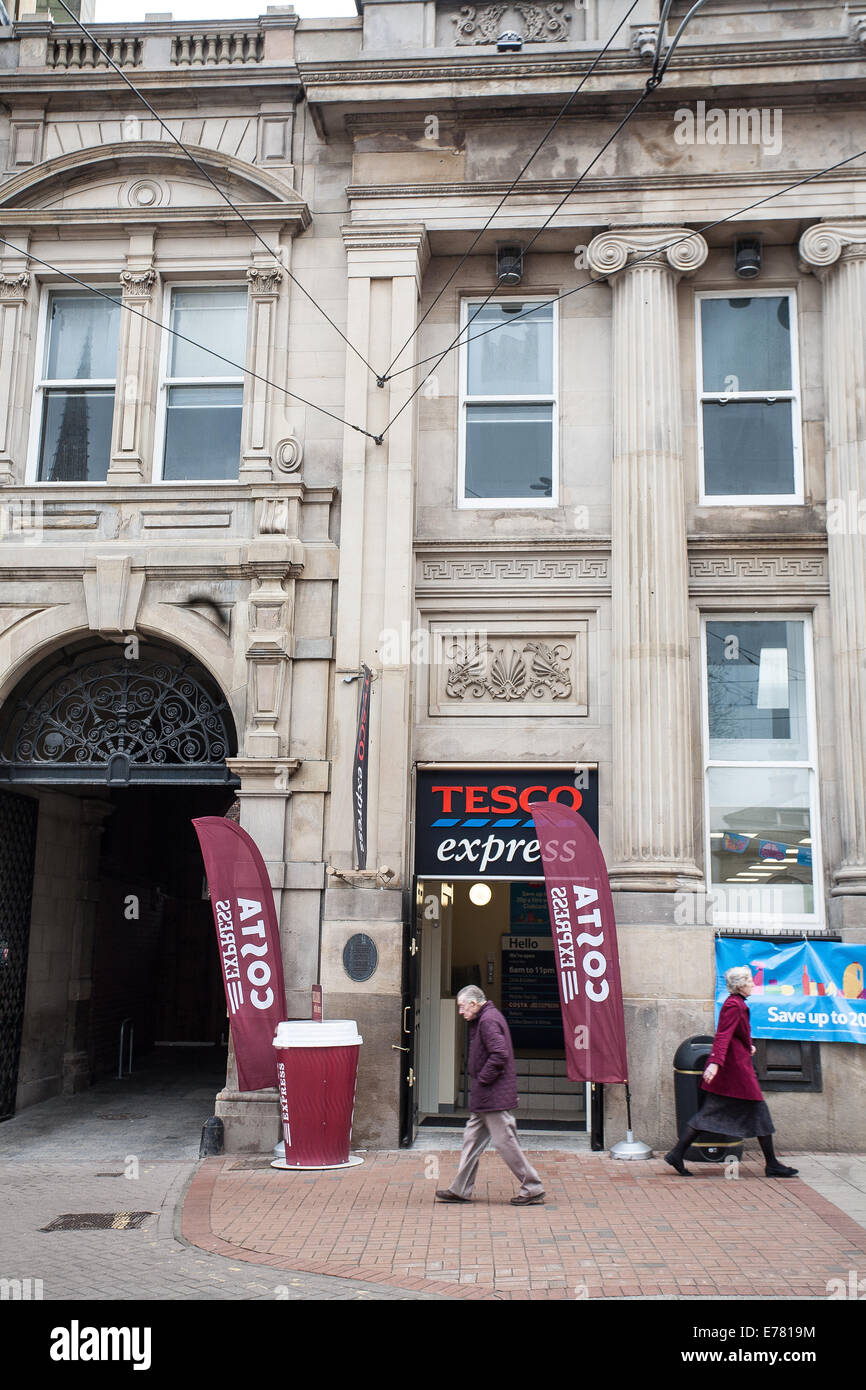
[102, 718]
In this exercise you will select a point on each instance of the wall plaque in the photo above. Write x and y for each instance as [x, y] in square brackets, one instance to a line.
[360, 957]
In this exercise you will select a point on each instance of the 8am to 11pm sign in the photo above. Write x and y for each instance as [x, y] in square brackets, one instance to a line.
[477, 822]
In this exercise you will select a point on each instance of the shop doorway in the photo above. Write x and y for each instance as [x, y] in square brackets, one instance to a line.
[495, 934]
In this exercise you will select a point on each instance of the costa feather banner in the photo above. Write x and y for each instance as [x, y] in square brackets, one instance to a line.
[249, 945]
[585, 948]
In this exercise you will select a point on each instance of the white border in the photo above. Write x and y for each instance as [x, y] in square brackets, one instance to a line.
[158, 462]
[41, 383]
[721, 917]
[551, 399]
[791, 499]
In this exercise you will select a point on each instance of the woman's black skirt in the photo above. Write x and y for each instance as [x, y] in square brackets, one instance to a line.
[740, 1119]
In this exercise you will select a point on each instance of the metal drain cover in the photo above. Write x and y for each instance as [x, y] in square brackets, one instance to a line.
[98, 1221]
[248, 1163]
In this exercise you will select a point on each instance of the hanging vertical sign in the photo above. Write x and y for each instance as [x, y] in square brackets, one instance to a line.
[585, 948]
[249, 946]
[359, 771]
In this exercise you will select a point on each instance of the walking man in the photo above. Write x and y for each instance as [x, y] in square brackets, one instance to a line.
[492, 1096]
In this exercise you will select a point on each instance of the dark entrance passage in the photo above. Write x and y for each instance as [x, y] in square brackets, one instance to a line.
[155, 973]
[117, 748]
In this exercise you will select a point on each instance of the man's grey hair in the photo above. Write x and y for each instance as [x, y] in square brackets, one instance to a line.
[473, 994]
[736, 976]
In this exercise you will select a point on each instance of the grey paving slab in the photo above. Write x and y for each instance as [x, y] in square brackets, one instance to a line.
[151, 1263]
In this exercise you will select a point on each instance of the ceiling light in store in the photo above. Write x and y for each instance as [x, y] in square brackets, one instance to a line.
[480, 894]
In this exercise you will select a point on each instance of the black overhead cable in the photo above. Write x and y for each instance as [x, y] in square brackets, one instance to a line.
[245, 371]
[483, 305]
[590, 284]
[508, 192]
[457, 341]
[203, 171]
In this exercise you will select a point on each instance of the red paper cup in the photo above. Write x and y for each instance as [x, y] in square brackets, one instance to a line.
[317, 1071]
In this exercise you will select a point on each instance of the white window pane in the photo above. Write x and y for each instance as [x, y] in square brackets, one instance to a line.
[746, 344]
[203, 432]
[76, 436]
[756, 686]
[509, 451]
[517, 358]
[216, 318]
[749, 449]
[82, 338]
[761, 839]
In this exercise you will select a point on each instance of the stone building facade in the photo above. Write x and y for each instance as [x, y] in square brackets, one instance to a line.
[614, 543]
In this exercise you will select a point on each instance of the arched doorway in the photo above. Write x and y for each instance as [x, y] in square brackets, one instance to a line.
[107, 752]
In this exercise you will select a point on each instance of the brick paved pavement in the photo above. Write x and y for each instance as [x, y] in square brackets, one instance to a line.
[608, 1230]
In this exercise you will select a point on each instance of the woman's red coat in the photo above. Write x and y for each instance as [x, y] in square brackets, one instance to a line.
[732, 1051]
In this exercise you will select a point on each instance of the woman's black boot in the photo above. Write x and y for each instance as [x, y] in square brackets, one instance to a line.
[677, 1153]
[773, 1168]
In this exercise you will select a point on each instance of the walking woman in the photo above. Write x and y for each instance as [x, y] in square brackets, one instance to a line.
[733, 1104]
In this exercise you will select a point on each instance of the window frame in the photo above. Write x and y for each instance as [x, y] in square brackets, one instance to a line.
[794, 394]
[770, 922]
[42, 384]
[166, 382]
[467, 303]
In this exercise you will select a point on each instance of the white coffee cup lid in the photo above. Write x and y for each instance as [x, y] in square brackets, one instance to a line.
[331, 1032]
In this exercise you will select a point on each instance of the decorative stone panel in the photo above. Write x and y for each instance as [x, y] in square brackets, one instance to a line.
[534, 23]
[494, 668]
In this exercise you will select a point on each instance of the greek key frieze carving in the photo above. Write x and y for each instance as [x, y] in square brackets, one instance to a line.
[521, 569]
[737, 567]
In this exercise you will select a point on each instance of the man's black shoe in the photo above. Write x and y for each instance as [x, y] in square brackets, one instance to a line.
[444, 1194]
[529, 1200]
[778, 1170]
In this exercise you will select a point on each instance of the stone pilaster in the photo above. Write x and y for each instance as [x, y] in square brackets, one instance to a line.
[14, 284]
[133, 387]
[385, 265]
[836, 252]
[653, 842]
[264, 278]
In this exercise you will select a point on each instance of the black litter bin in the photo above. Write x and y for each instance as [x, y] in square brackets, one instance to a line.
[689, 1063]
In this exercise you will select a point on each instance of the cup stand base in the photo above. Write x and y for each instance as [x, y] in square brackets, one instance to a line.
[351, 1162]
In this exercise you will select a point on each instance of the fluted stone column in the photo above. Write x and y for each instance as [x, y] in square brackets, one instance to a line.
[836, 251]
[652, 745]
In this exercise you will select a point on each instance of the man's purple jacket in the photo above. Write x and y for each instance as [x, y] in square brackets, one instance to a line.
[491, 1062]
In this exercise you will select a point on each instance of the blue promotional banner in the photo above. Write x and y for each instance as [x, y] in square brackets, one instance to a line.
[809, 991]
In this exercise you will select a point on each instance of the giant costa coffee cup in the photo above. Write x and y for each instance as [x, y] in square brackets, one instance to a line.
[317, 1071]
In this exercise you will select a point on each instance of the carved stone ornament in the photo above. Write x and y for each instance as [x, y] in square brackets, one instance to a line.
[546, 23]
[14, 286]
[674, 247]
[264, 279]
[137, 284]
[827, 242]
[507, 672]
[289, 454]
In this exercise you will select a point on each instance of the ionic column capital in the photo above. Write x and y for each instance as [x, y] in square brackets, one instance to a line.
[622, 248]
[827, 243]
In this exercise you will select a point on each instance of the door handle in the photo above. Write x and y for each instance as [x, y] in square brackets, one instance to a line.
[411, 1077]
[405, 1011]
[396, 1048]
[413, 947]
